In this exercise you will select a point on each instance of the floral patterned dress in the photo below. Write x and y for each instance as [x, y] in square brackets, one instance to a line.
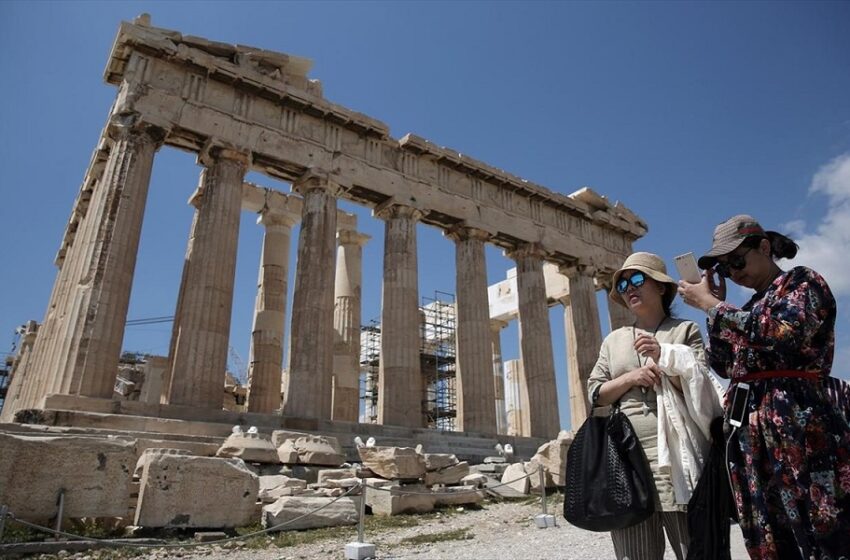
[790, 464]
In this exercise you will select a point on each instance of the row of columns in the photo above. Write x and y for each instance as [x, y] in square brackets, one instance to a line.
[79, 345]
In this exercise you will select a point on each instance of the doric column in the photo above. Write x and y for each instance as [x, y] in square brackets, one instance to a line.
[79, 344]
[346, 360]
[201, 333]
[307, 392]
[516, 400]
[584, 337]
[19, 370]
[399, 379]
[267, 334]
[496, 327]
[476, 411]
[536, 343]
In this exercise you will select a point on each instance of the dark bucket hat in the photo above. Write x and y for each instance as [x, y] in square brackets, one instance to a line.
[729, 235]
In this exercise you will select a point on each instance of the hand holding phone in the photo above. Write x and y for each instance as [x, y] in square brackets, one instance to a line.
[717, 284]
[740, 400]
[688, 270]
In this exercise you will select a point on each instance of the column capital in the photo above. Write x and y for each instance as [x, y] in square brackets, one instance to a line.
[574, 270]
[271, 219]
[391, 209]
[352, 237]
[123, 126]
[526, 250]
[212, 154]
[497, 325]
[314, 179]
[460, 232]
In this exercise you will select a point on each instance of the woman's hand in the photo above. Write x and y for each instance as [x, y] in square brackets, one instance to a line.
[644, 376]
[648, 346]
[704, 295]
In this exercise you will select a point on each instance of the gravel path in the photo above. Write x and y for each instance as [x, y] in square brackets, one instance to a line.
[503, 530]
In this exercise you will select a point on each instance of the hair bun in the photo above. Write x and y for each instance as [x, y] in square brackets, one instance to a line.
[781, 246]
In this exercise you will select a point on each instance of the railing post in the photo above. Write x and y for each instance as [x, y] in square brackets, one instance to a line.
[4, 511]
[542, 477]
[61, 503]
[360, 550]
[543, 520]
[360, 520]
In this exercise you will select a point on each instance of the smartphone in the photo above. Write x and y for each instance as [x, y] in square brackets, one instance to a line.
[688, 270]
[740, 399]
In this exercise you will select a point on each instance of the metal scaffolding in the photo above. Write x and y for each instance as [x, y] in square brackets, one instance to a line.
[437, 352]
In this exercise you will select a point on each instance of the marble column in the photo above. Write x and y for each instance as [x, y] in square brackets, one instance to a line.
[19, 370]
[496, 327]
[79, 343]
[476, 411]
[267, 334]
[346, 359]
[307, 391]
[584, 337]
[201, 333]
[516, 400]
[536, 343]
[399, 379]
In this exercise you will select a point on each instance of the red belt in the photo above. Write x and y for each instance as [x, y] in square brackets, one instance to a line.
[811, 375]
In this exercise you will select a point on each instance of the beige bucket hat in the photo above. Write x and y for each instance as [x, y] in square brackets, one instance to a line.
[729, 235]
[650, 264]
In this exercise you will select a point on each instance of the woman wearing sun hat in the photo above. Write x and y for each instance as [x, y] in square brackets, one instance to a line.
[790, 459]
[656, 370]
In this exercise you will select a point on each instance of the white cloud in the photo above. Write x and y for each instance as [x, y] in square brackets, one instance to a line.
[827, 248]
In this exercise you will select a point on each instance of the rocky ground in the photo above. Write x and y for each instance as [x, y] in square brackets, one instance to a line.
[502, 530]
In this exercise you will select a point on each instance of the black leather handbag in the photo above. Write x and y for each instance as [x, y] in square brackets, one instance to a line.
[609, 483]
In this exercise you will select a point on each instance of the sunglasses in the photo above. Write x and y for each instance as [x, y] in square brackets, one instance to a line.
[637, 280]
[733, 262]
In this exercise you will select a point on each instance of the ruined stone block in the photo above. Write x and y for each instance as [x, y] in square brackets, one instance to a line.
[312, 450]
[515, 478]
[402, 463]
[209, 492]
[94, 473]
[448, 475]
[437, 461]
[251, 448]
[277, 486]
[458, 496]
[396, 499]
[342, 512]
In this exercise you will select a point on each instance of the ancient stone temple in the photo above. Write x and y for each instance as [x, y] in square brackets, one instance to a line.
[245, 109]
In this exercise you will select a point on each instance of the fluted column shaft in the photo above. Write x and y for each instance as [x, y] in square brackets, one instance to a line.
[584, 337]
[19, 371]
[496, 327]
[307, 391]
[347, 313]
[476, 395]
[267, 334]
[399, 380]
[79, 344]
[536, 344]
[202, 321]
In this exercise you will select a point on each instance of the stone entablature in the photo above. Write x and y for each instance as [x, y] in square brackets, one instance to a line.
[206, 94]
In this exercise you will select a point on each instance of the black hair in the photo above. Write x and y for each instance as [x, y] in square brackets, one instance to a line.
[781, 246]
[667, 300]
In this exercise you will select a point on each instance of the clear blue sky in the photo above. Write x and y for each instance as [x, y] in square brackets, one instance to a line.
[686, 112]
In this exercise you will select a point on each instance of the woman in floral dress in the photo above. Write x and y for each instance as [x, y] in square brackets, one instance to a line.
[790, 460]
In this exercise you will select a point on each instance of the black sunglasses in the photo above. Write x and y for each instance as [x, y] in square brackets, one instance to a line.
[733, 262]
[637, 279]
